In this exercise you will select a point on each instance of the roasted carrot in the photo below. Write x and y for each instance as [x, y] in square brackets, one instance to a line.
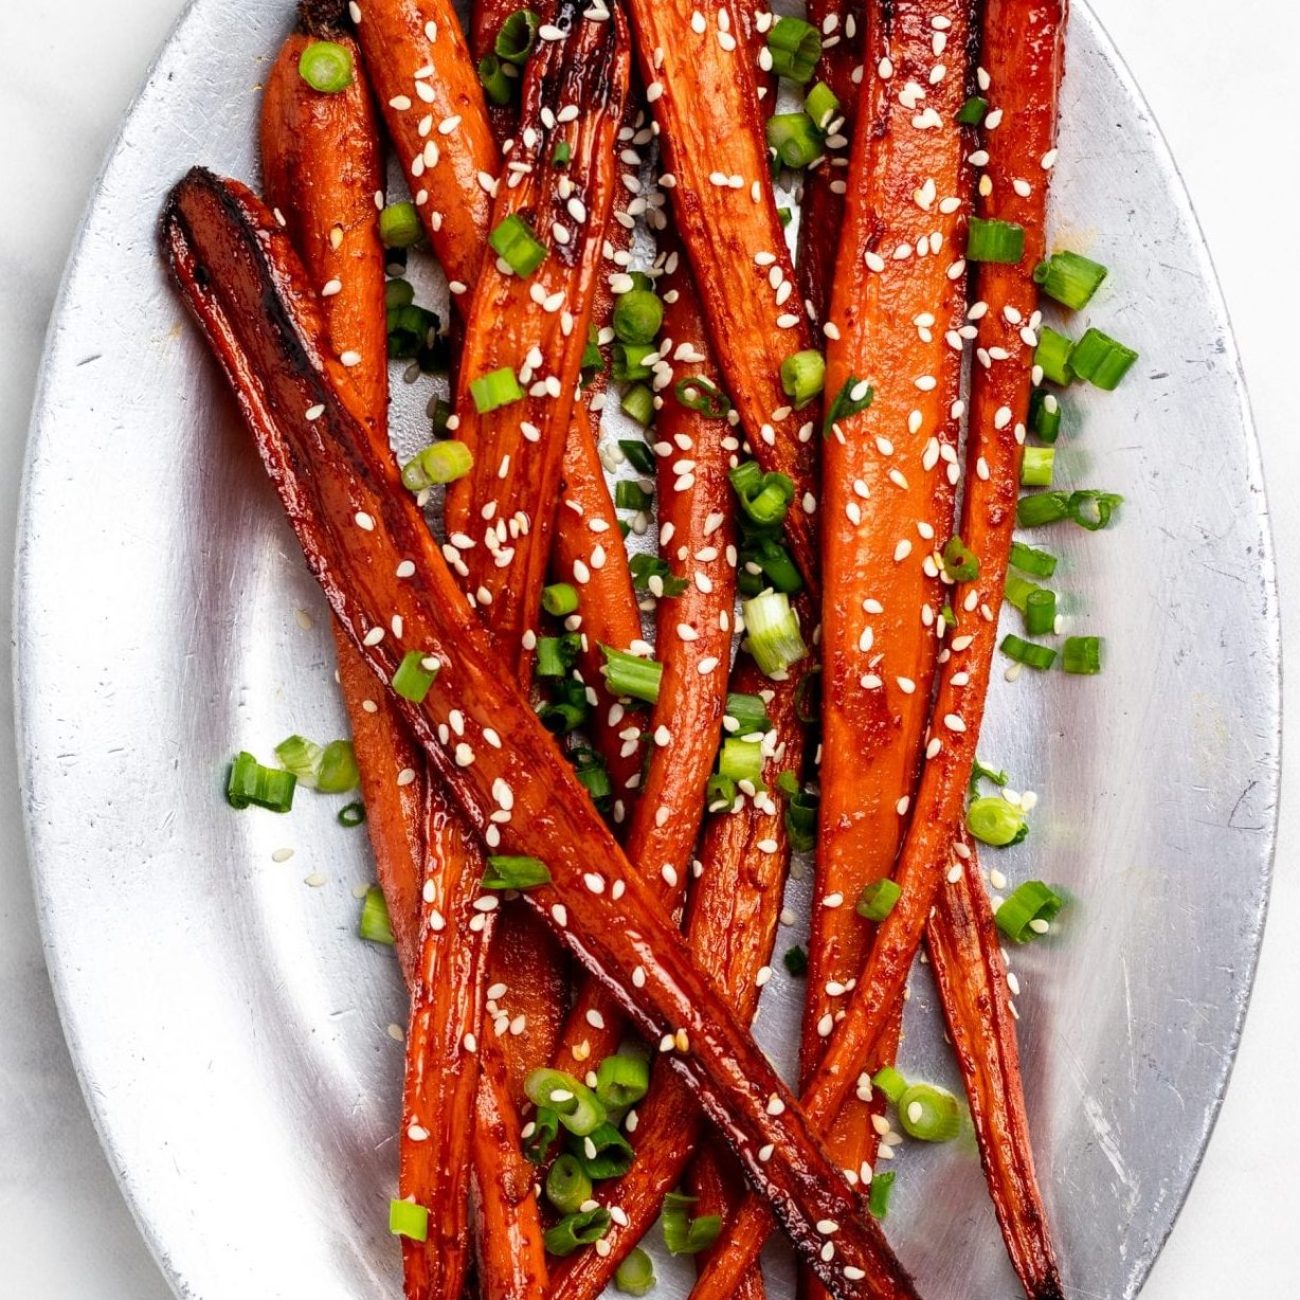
[694, 644]
[969, 968]
[732, 919]
[248, 292]
[535, 326]
[888, 476]
[1023, 80]
[842, 67]
[702, 92]
[511, 1254]
[426, 83]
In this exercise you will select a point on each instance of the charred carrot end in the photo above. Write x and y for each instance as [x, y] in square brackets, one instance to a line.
[535, 325]
[702, 90]
[432, 101]
[889, 494]
[246, 291]
[966, 952]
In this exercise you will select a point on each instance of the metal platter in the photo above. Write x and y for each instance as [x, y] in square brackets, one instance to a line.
[233, 1036]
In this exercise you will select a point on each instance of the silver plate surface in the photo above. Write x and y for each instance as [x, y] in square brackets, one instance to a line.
[232, 1034]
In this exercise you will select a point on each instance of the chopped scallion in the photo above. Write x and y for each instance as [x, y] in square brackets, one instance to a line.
[1070, 278]
[747, 712]
[352, 814]
[375, 924]
[960, 563]
[890, 1082]
[604, 1152]
[882, 1188]
[822, 105]
[514, 242]
[742, 760]
[703, 396]
[990, 240]
[406, 1219]
[622, 1080]
[1045, 415]
[639, 403]
[1040, 612]
[878, 899]
[1028, 559]
[415, 675]
[630, 675]
[505, 871]
[774, 637]
[1028, 653]
[567, 1184]
[1101, 360]
[574, 1230]
[251, 783]
[794, 139]
[1037, 466]
[638, 316]
[929, 1114]
[972, 112]
[684, 1235]
[856, 395]
[803, 376]
[765, 498]
[636, 1274]
[1082, 655]
[1052, 355]
[992, 820]
[795, 47]
[517, 36]
[630, 495]
[639, 456]
[495, 389]
[399, 225]
[326, 66]
[496, 83]
[1029, 912]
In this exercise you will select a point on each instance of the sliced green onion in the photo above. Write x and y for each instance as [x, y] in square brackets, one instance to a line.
[1045, 415]
[979, 772]
[514, 871]
[375, 924]
[1029, 559]
[517, 36]
[1037, 466]
[1029, 912]
[994, 241]
[399, 225]
[794, 139]
[1082, 655]
[638, 315]
[786, 216]
[604, 1152]
[574, 1230]
[415, 675]
[796, 961]
[821, 105]
[496, 84]
[684, 1235]
[992, 820]
[639, 403]
[795, 47]
[1052, 355]
[878, 899]
[639, 456]
[960, 563]
[398, 293]
[590, 769]
[560, 598]
[326, 66]
[251, 783]
[439, 414]
[647, 567]
[567, 1184]
[636, 1274]
[541, 1135]
[929, 1113]
[579, 1109]
[630, 675]
[514, 242]
[563, 154]
[622, 1080]
[300, 756]
[748, 712]
[890, 1082]
[720, 793]
[801, 820]
[352, 814]
[1040, 612]
[496, 388]
[629, 495]
[1070, 278]
[972, 112]
[338, 772]
[1018, 590]
[771, 567]
[703, 396]
[765, 498]
[630, 361]
[882, 1188]
[855, 396]
[412, 332]
[1043, 508]
[803, 376]
[1092, 509]
[552, 658]
[592, 361]
[1028, 653]
[742, 760]
[406, 1219]
[774, 637]
[1101, 360]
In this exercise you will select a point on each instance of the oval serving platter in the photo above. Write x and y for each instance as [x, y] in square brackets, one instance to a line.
[237, 1043]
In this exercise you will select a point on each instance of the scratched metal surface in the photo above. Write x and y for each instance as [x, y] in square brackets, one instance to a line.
[231, 1032]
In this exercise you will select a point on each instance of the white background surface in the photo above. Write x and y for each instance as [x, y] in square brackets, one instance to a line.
[1224, 94]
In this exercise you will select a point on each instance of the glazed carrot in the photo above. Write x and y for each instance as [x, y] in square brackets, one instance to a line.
[588, 551]
[1024, 80]
[510, 1251]
[697, 537]
[966, 954]
[842, 67]
[247, 291]
[320, 163]
[731, 925]
[536, 325]
[427, 86]
[702, 92]
[888, 476]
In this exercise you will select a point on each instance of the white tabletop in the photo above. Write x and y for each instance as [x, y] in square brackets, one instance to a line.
[1225, 95]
